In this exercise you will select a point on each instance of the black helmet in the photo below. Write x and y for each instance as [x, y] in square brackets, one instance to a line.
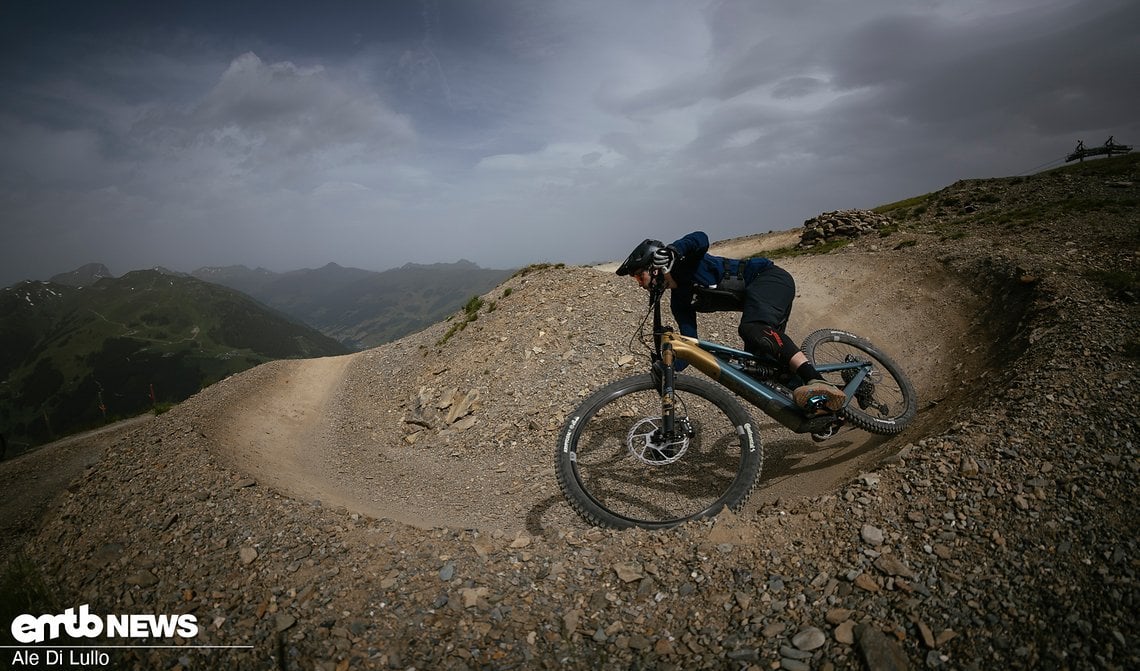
[641, 257]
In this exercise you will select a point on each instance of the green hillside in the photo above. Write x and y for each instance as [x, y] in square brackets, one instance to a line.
[73, 358]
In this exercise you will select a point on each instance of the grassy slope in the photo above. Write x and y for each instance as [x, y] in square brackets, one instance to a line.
[79, 357]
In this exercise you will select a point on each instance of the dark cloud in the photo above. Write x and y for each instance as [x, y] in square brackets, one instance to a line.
[798, 87]
[289, 111]
[292, 134]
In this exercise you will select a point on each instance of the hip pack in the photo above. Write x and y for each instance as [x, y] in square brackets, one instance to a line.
[727, 296]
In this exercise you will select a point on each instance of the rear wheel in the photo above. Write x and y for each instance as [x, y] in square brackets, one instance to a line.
[885, 401]
[618, 470]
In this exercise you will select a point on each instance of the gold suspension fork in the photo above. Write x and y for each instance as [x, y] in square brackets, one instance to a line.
[667, 399]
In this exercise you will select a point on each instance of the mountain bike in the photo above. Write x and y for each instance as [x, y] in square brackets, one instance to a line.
[660, 448]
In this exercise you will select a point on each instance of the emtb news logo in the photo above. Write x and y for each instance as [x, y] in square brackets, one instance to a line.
[84, 624]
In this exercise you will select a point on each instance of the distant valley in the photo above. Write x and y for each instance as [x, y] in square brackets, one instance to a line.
[85, 347]
[362, 308]
[74, 357]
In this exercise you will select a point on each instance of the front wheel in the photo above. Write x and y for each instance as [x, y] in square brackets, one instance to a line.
[885, 402]
[617, 469]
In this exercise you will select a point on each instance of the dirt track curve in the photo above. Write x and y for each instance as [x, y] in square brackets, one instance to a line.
[303, 428]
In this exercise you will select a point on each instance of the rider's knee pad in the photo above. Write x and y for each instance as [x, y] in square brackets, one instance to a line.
[762, 340]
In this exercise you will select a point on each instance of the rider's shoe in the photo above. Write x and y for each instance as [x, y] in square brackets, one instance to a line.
[802, 395]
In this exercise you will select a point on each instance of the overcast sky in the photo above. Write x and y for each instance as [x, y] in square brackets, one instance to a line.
[290, 134]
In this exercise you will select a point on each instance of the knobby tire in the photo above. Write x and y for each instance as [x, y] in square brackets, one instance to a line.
[886, 402]
[607, 485]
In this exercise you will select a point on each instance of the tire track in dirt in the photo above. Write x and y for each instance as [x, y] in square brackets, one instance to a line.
[294, 429]
[275, 425]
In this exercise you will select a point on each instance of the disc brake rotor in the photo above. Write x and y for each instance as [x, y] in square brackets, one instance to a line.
[647, 443]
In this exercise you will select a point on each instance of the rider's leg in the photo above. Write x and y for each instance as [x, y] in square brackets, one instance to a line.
[769, 342]
[767, 305]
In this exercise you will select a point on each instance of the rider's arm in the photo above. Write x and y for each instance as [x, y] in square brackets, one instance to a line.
[692, 247]
[690, 250]
[681, 304]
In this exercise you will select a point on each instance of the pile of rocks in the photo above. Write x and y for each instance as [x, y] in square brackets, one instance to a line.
[841, 224]
[452, 410]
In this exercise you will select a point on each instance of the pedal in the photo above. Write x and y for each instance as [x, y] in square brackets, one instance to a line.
[818, 405]
[832, 429]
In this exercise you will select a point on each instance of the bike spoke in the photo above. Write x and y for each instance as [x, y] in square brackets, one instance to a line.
[884, 400]
[640, 476]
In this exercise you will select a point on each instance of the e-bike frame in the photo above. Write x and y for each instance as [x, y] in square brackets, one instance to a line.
[714, 360]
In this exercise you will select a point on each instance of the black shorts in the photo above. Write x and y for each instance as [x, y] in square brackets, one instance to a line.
[768, 298]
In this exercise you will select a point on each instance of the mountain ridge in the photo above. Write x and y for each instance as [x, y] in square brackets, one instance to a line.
[362, 308]
[74, 357]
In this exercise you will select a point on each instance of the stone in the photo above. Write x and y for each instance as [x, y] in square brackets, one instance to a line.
[463, 406]
[924, 632]
[143, 578]
[471, 595]
[570, 621]
[773, 629]
[872, 535]
[837, 615]
[845, 632]
[893, 566]
[841, 224]
[866, 582]
[879, 652]
[629, 571]
[809, 639]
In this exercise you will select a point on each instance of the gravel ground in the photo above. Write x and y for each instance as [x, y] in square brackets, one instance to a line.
[398, 509]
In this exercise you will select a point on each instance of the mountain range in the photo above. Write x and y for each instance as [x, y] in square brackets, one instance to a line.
[362, 308]
[73, 357]
[86, 347]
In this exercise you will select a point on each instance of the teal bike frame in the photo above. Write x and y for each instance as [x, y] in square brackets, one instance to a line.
[727, 366]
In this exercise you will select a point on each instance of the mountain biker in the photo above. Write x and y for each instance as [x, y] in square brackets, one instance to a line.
[767, 291]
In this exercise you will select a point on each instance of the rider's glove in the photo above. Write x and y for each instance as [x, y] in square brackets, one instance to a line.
[664, 258]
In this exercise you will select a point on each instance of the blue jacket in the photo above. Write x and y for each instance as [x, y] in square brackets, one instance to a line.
[696, 267]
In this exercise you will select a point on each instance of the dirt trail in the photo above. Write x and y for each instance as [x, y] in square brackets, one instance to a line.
[299, 430]
[275, 430]
[330, 429]
[33, 479]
